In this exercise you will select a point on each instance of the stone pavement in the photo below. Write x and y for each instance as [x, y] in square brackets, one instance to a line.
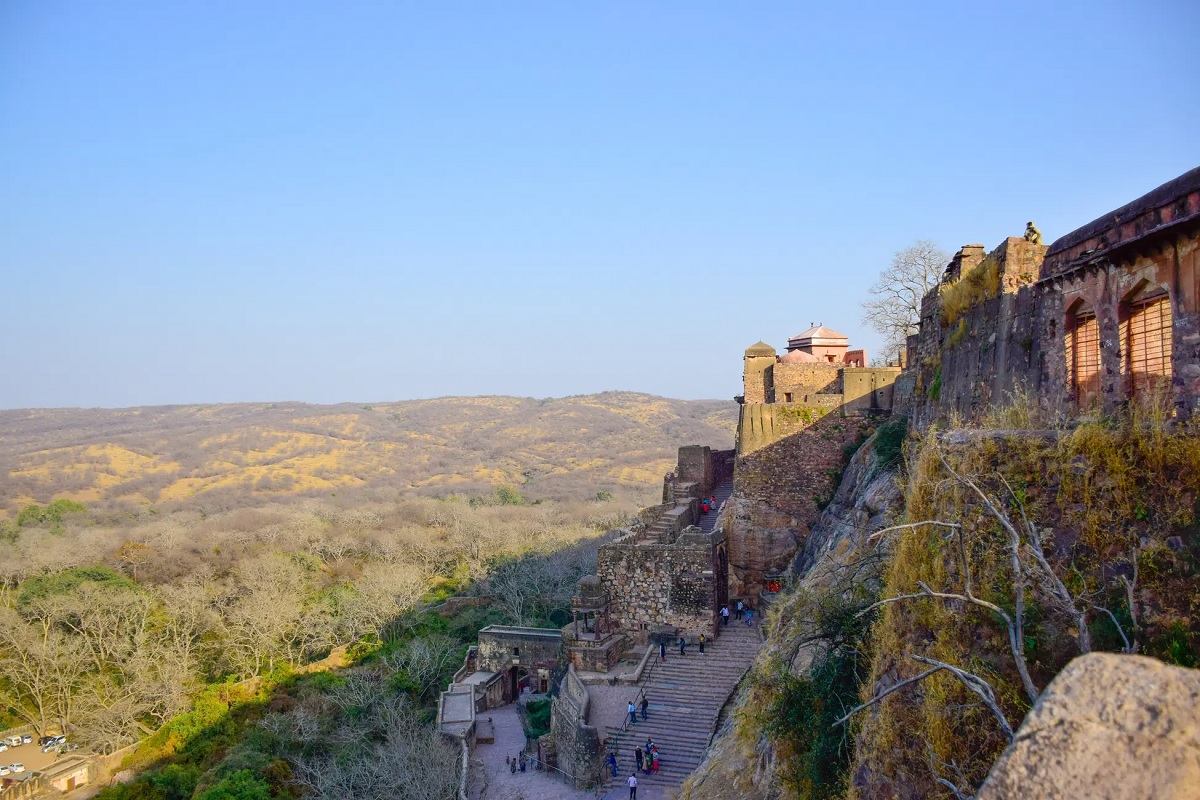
[490, 776]
[491, 780]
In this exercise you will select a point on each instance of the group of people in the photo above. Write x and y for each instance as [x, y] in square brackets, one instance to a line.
[744, 613]
[708, 504]
[520, 762]
[646, 760]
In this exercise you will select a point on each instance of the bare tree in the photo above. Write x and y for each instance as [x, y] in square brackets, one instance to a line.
[1031, 570]
[365, 742]
[894, 305]
[41, 669]
[426, 660]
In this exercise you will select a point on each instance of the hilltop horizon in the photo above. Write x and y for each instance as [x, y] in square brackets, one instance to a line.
[360, 403]
[224, 455]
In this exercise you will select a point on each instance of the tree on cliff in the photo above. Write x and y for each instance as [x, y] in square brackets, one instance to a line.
[894, 306]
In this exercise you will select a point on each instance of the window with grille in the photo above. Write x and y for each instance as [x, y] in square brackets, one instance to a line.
[1146, 345]
[1083, 358]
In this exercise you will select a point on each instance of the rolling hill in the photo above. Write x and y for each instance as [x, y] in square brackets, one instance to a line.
[234, 454]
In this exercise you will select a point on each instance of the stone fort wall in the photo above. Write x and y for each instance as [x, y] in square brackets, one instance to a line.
[783, 479]
[1020, 340]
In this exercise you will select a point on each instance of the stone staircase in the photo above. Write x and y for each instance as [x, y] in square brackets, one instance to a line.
[708, 521]
[686, 695]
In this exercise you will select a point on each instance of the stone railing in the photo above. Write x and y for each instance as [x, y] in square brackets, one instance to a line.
[576, 743]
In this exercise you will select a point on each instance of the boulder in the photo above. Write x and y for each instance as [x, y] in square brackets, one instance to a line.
[1108, 727]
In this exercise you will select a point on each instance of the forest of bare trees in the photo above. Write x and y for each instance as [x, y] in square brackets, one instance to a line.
[108, 629]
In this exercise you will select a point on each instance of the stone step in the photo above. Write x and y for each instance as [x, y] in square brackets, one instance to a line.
[686, 694]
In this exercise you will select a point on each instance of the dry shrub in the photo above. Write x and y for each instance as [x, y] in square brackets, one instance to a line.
[1103, 495]
[980, 284]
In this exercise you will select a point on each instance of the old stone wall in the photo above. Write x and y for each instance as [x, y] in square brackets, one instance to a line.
[695, 466]
[1019, 340]
[501, 647]
[780, 489]
[654, 585]
[868, 389]
[762, 425]
[802, 380]
[576, 744]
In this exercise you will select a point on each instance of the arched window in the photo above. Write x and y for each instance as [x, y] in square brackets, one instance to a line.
[1083, 355]
[1146, 343]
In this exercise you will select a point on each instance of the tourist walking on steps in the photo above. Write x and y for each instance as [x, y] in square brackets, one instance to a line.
[632, 713]
[739, 608]
[522, 759]
[725, 614]
[749, 615]
[702, 644]
[645, 705]
[654, 760]
[637, 756]
[612, 762]
[682, 645]
[632, 783]
[662, 650]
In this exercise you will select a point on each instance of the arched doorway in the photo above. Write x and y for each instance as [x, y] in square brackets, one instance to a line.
[518, 680]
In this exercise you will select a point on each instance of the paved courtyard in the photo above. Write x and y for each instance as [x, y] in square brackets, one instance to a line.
[491, 779]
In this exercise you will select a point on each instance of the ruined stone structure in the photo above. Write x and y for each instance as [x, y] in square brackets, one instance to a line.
[800, 412]
[525, 657]
[1106, 315]
[668, 586]
[666, 576]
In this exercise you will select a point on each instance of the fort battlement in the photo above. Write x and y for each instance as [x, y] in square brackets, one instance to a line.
[1104, 316]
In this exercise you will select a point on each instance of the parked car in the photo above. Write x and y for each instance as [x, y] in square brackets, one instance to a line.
[3, 747]
[12, 741]
[18, 767]
[43, 739]
[53, 742]
[4, 770]
[26, 738]
[68, 747]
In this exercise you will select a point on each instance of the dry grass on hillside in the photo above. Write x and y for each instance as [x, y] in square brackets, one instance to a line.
[227, 456]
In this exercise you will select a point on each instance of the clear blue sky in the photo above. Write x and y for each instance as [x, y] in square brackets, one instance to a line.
[225, 201]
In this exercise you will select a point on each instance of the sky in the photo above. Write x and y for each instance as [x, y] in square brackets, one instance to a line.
[349, 201]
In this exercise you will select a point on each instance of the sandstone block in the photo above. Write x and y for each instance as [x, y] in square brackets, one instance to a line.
[1109, 727]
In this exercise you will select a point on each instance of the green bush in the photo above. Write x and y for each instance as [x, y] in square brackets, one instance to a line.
[68, 580]
[241, 785]
[508, 496]
[889, 441]
[536, 719]
[801, 720]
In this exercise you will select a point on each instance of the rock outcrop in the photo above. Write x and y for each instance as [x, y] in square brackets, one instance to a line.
[1109, 727]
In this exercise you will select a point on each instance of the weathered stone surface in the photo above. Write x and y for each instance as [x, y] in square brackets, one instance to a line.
[779, 491]
[1109, 727]
[1021, 340]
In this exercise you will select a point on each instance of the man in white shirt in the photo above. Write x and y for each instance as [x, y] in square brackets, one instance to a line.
[632, 787]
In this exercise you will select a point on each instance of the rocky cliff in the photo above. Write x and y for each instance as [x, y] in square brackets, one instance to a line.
[838, 558]
[1016, 551]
